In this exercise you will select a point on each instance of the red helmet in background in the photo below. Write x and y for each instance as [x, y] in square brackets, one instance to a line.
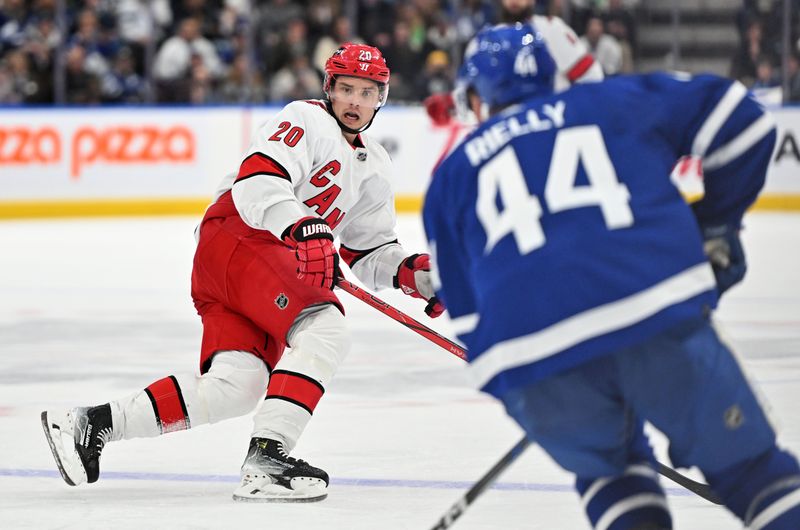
[358, 60]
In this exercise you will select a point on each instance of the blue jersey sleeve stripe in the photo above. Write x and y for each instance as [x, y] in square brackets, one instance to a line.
[744, 141]
[717, 118]
[436, 279]
[591, 323]
[636, 502]
[775, 510]
[465, 324]
[636, 469]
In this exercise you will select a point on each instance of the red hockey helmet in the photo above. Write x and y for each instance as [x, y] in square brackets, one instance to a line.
[358, 60]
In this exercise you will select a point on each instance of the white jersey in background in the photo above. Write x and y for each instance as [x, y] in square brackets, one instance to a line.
[574, 62]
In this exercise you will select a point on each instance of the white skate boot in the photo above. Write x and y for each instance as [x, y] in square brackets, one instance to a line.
[269, 474]
[77, 438]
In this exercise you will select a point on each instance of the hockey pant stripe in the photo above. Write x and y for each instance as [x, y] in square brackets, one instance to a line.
[627, 501]
[168, 405]
[295, 388]
[781, 499]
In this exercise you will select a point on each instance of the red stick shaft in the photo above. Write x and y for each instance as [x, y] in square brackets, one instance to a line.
[402, 318]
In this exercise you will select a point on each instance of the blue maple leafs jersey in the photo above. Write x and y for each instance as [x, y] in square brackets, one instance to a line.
[557, 234]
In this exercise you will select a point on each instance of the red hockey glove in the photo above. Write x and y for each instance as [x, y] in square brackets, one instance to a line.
[440, 108]
[414, 278]
[312, 241]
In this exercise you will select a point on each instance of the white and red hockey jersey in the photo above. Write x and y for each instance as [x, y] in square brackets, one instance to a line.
[573, 60]
[300, 164]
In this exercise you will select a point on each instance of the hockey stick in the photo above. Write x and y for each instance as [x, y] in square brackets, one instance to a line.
[699, 488]
[460, 507]
[401, 317]
[703, 490]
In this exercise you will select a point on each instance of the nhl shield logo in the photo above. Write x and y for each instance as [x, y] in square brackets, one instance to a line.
[281, 301]
[361, 156]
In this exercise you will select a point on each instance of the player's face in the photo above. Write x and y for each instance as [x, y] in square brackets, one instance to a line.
[518, 10]
[476, 106]
[354, 100]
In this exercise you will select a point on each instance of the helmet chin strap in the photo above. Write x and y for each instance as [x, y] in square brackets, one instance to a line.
[344, 127]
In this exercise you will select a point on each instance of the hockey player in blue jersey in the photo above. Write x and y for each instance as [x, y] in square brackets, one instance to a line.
[582, 283]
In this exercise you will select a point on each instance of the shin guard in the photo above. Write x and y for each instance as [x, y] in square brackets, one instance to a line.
[764, 492]
[631, 500]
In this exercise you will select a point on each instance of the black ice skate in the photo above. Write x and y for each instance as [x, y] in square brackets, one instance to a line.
[77, 438]
[269, 474]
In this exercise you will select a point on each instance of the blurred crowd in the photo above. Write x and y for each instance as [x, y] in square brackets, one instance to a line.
[235, 51]
[757, 62]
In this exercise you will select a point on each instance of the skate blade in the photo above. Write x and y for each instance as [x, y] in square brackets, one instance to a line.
[72, 475]
[307, 490]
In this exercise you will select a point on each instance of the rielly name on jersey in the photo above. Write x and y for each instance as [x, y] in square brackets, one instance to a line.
[559, 222]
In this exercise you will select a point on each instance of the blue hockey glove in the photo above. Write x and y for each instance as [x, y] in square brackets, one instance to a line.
[726, 255]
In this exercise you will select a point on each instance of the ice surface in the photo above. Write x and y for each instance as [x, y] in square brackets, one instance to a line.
[95, 309]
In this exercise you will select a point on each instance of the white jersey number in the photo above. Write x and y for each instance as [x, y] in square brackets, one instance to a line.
[521, 212]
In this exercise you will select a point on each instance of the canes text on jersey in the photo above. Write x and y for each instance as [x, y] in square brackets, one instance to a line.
[323, 201]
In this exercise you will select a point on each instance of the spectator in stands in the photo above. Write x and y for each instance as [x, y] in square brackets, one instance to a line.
[341, 31]
[82, 85]
[794, 78]
[604, 47]
[269, 23]
[437, 78]
[123, 84]
[293, 42]
[7, 93]
[172, 69]
[376, 23]
[417, 28]
[24, 83]
[766, 77]
[200, 81]
[619, 31]
[138, 24]
[241, 84]
[621, 24]
[321, 16]
[203, 11]
[516, 10]
[474, 15]
[442, 35]
[404, 61]
[296, 80]
[13, 21]
[42, 38]
[743, 66]
[108, 41]
[99, 41]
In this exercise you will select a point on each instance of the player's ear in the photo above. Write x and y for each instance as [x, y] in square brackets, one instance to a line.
[476, 105]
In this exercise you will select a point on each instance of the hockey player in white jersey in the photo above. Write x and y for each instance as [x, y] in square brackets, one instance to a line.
[263, 275]
[574, 62]
[583, 284]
